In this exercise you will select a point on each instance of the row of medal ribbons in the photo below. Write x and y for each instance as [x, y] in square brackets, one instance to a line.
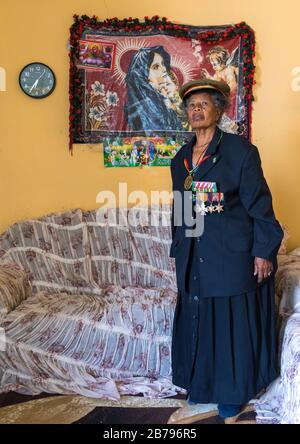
[206, 192]
[210, 187]
[208, 197]
[205, 196]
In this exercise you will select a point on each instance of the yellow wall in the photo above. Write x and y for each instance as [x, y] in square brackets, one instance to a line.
[37, 173]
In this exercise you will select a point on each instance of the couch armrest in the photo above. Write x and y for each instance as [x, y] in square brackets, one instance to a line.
[288, 284]
[14, 287]
[286, 236]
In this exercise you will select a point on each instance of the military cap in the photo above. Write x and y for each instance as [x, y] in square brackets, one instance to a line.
[198, 85]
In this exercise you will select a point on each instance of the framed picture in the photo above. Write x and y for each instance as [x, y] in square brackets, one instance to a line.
[125, 76]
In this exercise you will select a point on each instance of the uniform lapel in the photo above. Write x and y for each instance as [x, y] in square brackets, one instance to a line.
[214, 156]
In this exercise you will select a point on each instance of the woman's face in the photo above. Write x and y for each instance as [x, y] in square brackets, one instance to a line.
[157, 72]
[201, 110]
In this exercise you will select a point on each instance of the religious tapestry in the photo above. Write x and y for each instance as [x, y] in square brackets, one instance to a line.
[125, 76]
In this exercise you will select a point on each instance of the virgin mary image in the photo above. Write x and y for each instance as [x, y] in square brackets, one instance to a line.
[153, 102]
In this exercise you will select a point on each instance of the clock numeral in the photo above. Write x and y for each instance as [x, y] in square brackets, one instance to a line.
[27, 74]
[31, 70]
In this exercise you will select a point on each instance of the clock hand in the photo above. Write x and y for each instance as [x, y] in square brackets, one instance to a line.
[41, 75]
[34, 85]
[37, 81]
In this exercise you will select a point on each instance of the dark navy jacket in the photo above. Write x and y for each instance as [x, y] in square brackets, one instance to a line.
[232, 238]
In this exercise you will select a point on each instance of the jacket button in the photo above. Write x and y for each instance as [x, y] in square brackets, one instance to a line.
[195, 278]
[198, 239]
[196, 298]
[201, 259]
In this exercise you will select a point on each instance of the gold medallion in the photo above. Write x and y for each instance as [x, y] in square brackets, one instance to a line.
[188, 182]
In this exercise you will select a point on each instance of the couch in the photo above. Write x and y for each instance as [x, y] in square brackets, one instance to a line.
[87, 305]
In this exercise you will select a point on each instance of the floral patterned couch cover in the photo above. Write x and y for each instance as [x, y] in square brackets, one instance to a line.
[280, 404]
[86, 306]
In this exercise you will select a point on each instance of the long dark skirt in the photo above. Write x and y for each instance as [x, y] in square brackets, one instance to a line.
[224, 349]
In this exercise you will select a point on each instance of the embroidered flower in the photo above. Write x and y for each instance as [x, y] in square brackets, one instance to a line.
[30, 255]
[98, 89]
[28, 232]
[137, 329]
[165, 351]
[112, 98]
[97, 114]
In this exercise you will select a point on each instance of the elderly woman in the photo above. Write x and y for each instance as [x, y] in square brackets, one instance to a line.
[224, 332]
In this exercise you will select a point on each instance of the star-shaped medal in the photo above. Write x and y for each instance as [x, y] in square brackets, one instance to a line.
[211, 209]
[201, 208]
[219, 208]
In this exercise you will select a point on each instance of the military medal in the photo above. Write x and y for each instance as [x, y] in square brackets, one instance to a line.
[189, 179]
[219, 208]
[188, 182]
[201, 208]
[207, 202]
[211, 208]
[203, 191]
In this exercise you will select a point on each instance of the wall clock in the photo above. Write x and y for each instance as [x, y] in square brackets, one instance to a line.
[37, 80]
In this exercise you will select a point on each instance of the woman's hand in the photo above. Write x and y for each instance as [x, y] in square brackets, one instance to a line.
[262, 268]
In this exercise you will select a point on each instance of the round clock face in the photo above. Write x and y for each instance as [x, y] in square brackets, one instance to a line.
[37, 80]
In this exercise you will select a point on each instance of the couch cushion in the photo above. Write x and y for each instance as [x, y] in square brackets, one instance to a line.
[79, 339]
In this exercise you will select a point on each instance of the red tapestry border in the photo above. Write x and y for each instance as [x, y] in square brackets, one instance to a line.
[129, 25]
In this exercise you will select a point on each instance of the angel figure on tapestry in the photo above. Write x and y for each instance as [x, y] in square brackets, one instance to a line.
[225, 66]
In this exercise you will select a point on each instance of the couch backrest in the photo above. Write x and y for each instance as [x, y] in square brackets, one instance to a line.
[82, 251]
